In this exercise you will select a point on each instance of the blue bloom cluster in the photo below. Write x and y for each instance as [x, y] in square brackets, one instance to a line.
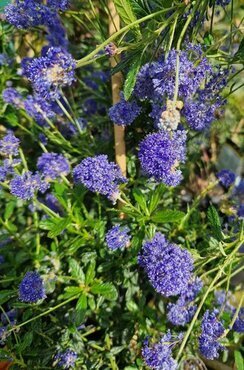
[39, 109]
[6, 169]
[32, 288]
[239, 323]
[9, 145]
[50, 72]
[124, 112]
[99, 175]
[159, 355]
[169, 268]
[160, 154]
[53, 165]
[66, 359]
[117, 237]
[12, 96]
[212, 329]
[226, 178]
[58, 4]
[181, 312]
[24, 186]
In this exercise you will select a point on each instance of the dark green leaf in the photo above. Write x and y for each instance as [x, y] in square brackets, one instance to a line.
[9, 209]
[140, 199]
[214, 220]
[131, 78]
[107, 290]
[5, 295]
[126, 14]
[167, 215]
[76, 271]
[59, 225]
[90, 274]
[25, 342]
[82, 302]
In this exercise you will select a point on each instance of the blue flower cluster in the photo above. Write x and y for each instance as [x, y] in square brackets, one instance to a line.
[66, 359]
[99, 175]
[159, 355]
[124, 112]
[239, 323]
[226, 178]
[117, 237]
[212, 329]
[12, 96]
[181, 312]
[53, 165]
[50, 72]
[32, 288]
[24, 186]
[160, 154]
[9, 145]
[168, 267]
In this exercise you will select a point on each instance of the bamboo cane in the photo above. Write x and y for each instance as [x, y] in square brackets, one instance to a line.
[119, 131]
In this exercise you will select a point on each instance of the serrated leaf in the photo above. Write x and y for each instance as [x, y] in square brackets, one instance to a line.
[214, 220]
[76, 271]
[126, 13]
[155, 197]
[90, 274]
[167, 215]
[140, 199]
[130, 80]
[82, 302]
[239, 360]
[107, 290]
[25, 342]
[59, 225]
[9, 209]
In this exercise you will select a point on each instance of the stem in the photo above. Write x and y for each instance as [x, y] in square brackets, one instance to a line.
[43, 313]
[234, 317]
[84, 60]
[226, 263]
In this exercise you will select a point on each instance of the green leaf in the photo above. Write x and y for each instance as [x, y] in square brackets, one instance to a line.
[126, 13]
[130, 80]
[155, 197]
[9, 209]
[71, 291]
[82, 302]
[167, 215]
[59, 224]
[25, 342]
[214, 220]
[5, 295]
[239, 360]
[11, 117]
[76, 271]
[141, 200]
[107, 290]
[91, 272]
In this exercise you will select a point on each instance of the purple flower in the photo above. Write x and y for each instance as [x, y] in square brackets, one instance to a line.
[124, 112]
[110, 49]
[31, 288]
[160, 154]
[159, 355]
[99, 175]
[144, 88]
[66, 359]
[39, 109]
[9, 145]
[24, 186]
[6, 169]
[58, 4]
[181, 312]
[9, 317]
[13, 97]
[117, 237]
[199, 114]
[239, 323]
[50, 72]
[222, 298]
[222, 3]
[52, 202]
[5, 60]
[169, 268]
[226, 178]
[212, 329]
[53, 165]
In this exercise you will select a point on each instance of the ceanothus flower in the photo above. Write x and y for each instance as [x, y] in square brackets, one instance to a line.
[7, 168]
[124, 112]
[181, 312]
[239, 323]
[158, 356]
[9, 145]
[50, 72]
[212, 329]
[168, 267]
[117, 237]
[53, 165]
[160, 154]
[12, 96]
[39, 109]
[58, 4]
[31, 288]
[99, 175]
[24, 186]
[66, 359]
[199, 114]
[226, 178]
